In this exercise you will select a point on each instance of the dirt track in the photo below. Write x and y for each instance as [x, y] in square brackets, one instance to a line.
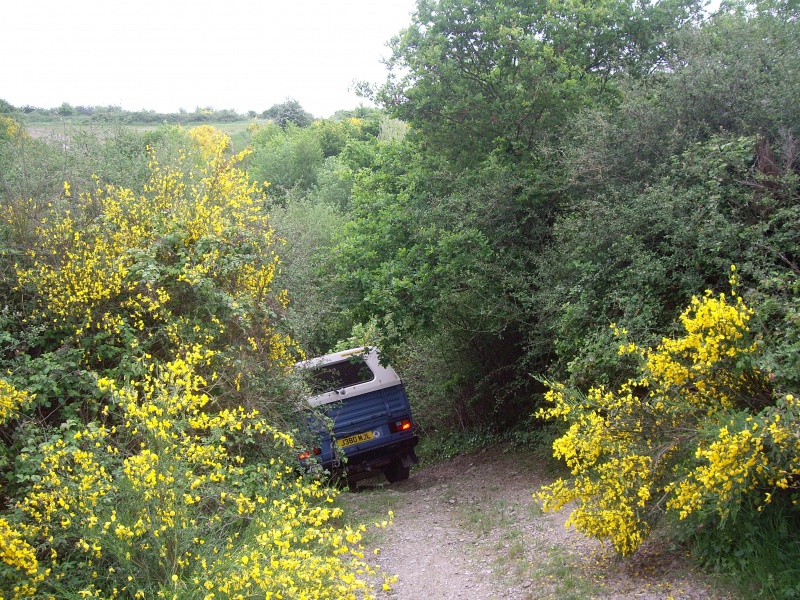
[468, 528]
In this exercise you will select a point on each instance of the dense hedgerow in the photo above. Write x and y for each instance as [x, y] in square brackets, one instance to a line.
[696, 435]
[172, 477]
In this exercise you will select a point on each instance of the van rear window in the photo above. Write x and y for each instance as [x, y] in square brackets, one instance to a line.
[341, 374]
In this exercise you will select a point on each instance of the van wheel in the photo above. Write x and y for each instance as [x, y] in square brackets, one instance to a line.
[396, 471]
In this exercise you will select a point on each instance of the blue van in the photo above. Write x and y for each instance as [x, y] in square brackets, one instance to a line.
[363, 425]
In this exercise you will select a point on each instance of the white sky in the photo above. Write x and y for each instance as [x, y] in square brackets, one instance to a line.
[164, 55]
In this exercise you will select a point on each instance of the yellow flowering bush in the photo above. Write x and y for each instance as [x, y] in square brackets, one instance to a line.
[161, 505]
[10, 129]
[19, 567]
[211, 141]
[173, 476]
[697, 433]
[190, 259]
[11, 400]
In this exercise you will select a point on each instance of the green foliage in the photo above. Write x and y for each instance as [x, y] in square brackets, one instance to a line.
[440, 266]
[760, 552]
[571, 165]
[634, 256]
[288, 112]
[307, 160]
[75, 116]
[286, 159]
[362, 335]
[712, 84]
[335, 135]
[444, 446]
[395, 254]
[66, 110]
[308, 227]
[660, 199]
[453, 227]
[310, 199]
[450, 393]
[779, 296]
[475, 77]
[31, 177]
[59, 380]
[334, 184]
[720, 80]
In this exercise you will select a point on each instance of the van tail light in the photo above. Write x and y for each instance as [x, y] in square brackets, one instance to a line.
[404, 425]
[309, 453]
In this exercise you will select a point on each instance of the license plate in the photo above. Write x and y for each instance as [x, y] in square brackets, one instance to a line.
[355, 439]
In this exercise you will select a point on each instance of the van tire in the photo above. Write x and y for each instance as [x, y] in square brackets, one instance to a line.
[396, 471]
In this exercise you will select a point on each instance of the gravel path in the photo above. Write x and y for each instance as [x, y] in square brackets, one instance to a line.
[468, 528]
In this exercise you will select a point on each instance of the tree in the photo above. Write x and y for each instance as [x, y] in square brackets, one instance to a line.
[287, 112]
[286, 158]
[474, 76]
[658, 186]
[449, 241]
[66, 110]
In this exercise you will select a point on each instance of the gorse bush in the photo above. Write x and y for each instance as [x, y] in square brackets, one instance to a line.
[161, 505]
[211, 141]
[168, 474]
[696, 435]
[188, 261]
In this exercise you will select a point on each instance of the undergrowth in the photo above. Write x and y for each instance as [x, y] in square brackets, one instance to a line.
[759, 552]
[532, 440]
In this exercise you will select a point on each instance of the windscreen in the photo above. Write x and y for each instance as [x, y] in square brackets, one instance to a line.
[341, 374]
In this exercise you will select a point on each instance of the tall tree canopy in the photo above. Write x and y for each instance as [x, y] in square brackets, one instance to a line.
[558, 177]
[474, 76]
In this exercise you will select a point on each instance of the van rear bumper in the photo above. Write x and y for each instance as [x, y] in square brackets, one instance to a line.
[371, 462]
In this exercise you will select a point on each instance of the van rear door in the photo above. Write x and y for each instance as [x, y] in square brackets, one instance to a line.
[370, 413]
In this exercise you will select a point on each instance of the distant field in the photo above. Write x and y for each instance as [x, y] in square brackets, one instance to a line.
[237, 130]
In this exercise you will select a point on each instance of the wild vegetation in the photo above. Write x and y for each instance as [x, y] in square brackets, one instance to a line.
[145, 390]
[568, 220]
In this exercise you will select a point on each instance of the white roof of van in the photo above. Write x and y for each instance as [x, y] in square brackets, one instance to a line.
[384, 376]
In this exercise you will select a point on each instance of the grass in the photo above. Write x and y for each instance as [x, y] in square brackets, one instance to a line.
[563, 572]
[373, 506]
[237, 130]
[484, 518]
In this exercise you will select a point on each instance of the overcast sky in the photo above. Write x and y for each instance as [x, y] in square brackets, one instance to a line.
[165, 55]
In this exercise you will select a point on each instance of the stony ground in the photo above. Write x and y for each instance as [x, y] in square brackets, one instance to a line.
[469, 528]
